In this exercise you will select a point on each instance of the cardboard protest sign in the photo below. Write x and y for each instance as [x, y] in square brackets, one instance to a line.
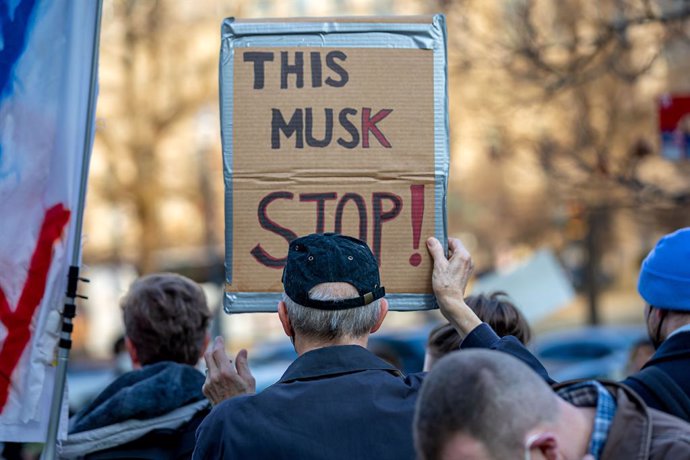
[47, 53]
[333, 126]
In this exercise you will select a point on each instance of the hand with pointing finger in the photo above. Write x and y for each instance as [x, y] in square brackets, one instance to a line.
[225, 379]
[449, 281]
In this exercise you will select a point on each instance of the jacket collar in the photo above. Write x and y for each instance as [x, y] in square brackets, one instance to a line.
[152, 391]
[337, 360]
[685, 328]
[630, 435]
[678, 345]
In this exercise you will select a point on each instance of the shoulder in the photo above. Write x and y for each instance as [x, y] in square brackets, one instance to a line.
[670, 436]
[234, 428]
[234, 412]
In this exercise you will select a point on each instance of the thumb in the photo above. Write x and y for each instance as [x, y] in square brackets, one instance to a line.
[241, 362]
[435, 249]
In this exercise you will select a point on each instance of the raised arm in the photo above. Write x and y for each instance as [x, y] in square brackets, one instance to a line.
[449, 281]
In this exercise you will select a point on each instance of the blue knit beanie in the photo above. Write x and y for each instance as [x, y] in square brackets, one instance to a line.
[665, 274]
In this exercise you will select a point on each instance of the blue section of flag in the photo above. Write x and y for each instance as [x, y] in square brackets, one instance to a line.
[14, 29]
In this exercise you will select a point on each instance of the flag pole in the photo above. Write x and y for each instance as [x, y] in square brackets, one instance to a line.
[69, 311]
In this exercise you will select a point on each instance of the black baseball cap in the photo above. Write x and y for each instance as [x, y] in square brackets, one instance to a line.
[331, 258]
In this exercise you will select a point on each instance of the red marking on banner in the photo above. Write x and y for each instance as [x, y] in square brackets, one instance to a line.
[18, 321]
[417, 192]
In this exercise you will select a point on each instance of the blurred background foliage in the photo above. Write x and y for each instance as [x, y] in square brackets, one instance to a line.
[554, 138]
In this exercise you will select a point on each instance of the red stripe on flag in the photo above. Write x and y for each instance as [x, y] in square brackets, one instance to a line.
[18, 322]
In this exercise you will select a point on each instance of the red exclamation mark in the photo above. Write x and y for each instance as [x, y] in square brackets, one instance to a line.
[417, 192]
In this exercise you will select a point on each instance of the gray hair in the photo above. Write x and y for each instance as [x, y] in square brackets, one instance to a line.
[332, 324]
[486, 395]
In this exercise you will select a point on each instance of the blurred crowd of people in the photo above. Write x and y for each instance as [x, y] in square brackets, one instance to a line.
[482, 394]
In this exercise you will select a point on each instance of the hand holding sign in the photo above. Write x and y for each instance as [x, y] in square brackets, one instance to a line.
[449, 280]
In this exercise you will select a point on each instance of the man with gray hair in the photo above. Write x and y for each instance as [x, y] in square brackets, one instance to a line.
[337, 400]
[487, 405]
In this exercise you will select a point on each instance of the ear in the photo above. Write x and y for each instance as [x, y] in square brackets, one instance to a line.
[383, 310]
[285, 319]
[207, 339]
[546, 443]
[132, 353]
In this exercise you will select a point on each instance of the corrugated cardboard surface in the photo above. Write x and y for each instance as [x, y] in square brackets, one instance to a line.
[396, 79]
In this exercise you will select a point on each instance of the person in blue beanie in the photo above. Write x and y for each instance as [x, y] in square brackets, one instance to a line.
[664, 284]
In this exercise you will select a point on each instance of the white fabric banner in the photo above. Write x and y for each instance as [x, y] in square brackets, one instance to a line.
[46, 49]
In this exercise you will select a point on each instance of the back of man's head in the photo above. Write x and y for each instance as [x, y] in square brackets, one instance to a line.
[664, 280]
[332, 287]
[480, 397]
[166, 317]
[325, 325]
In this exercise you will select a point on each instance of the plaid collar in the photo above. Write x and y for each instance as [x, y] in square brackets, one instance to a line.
[593, 394]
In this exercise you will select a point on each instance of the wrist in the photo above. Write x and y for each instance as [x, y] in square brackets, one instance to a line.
[460, 316]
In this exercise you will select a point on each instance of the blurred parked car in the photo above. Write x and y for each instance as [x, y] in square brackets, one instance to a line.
[588, 352]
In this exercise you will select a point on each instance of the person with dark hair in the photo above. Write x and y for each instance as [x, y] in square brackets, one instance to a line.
[486, 405]
[664, 284]
[154, 410]
[495, 310]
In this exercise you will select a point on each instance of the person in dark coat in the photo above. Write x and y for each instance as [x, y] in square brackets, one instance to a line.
[337, 400]
[153, 411]
[664, 283]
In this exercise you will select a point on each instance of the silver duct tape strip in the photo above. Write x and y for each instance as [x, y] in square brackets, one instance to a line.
[441, 129]
[424, 35]
[267, 302]
[226, 127]
[421, 35]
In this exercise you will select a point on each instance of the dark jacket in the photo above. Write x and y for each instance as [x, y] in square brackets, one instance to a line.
[338, 402]
[148, 413]
[672, 357]
[638, 432]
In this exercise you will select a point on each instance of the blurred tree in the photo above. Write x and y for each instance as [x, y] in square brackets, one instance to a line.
[158, 71]
[572, 87]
